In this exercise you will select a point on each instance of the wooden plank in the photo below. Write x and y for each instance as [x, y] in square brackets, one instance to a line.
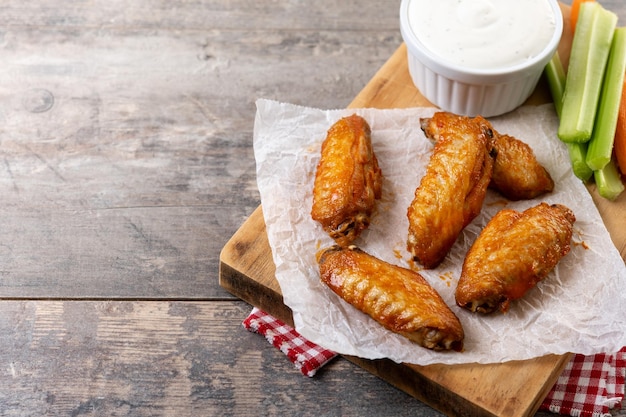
[161, 358]
[127, 150]
[451, 389]
[201, 16]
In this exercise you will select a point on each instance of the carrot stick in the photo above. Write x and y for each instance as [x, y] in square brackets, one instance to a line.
[619, 145]
[574, 12]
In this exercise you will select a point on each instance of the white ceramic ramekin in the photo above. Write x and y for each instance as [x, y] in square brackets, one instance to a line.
[470, 91]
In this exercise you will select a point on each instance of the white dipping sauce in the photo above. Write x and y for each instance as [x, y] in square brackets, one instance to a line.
[483, 34]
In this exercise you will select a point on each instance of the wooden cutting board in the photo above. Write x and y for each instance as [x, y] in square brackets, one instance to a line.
[511, 389]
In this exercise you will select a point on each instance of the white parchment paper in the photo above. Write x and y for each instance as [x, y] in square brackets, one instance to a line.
[580, 307]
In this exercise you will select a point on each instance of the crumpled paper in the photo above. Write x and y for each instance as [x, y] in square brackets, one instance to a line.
[580, 307]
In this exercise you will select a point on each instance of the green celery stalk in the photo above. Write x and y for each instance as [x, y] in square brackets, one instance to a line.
[590, 51]
[578, 156]
[555, 74]
[601, 144]
[608, 181]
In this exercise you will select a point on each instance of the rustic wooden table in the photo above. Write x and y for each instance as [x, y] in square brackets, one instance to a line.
[126, 143]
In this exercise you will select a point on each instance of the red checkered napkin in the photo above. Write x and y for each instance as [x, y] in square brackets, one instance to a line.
[305, 355]
[589, 386]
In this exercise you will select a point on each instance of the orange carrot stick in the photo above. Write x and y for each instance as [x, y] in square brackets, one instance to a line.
[619, 145]
[574, 12]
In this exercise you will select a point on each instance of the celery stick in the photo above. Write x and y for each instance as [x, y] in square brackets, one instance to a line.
[608, 181]
[555, 74]
[590, 51]
[601, 144]
[578, 156]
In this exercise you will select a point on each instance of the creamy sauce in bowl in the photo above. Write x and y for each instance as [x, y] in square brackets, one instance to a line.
[483, 34]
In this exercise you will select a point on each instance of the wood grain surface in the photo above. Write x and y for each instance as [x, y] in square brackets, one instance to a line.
[127, 165]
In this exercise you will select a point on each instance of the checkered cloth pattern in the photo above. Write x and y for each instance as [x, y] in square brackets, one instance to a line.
[307, 356]
[589, 386]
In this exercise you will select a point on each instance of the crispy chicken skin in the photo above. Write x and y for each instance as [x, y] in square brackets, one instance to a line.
[451, 193]
[348, 180]
[512, 254]
[398, 298]
[517, 174]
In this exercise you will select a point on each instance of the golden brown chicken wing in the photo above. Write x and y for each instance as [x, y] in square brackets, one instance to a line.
[348, 180]
[399, 299]
[512, 254]
[517, 174]
[451, 193]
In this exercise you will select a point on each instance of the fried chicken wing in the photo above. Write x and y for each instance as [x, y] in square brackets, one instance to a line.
[399, 299]
[517, 174]
[348, 180]
[451, 193]
[512, 254]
